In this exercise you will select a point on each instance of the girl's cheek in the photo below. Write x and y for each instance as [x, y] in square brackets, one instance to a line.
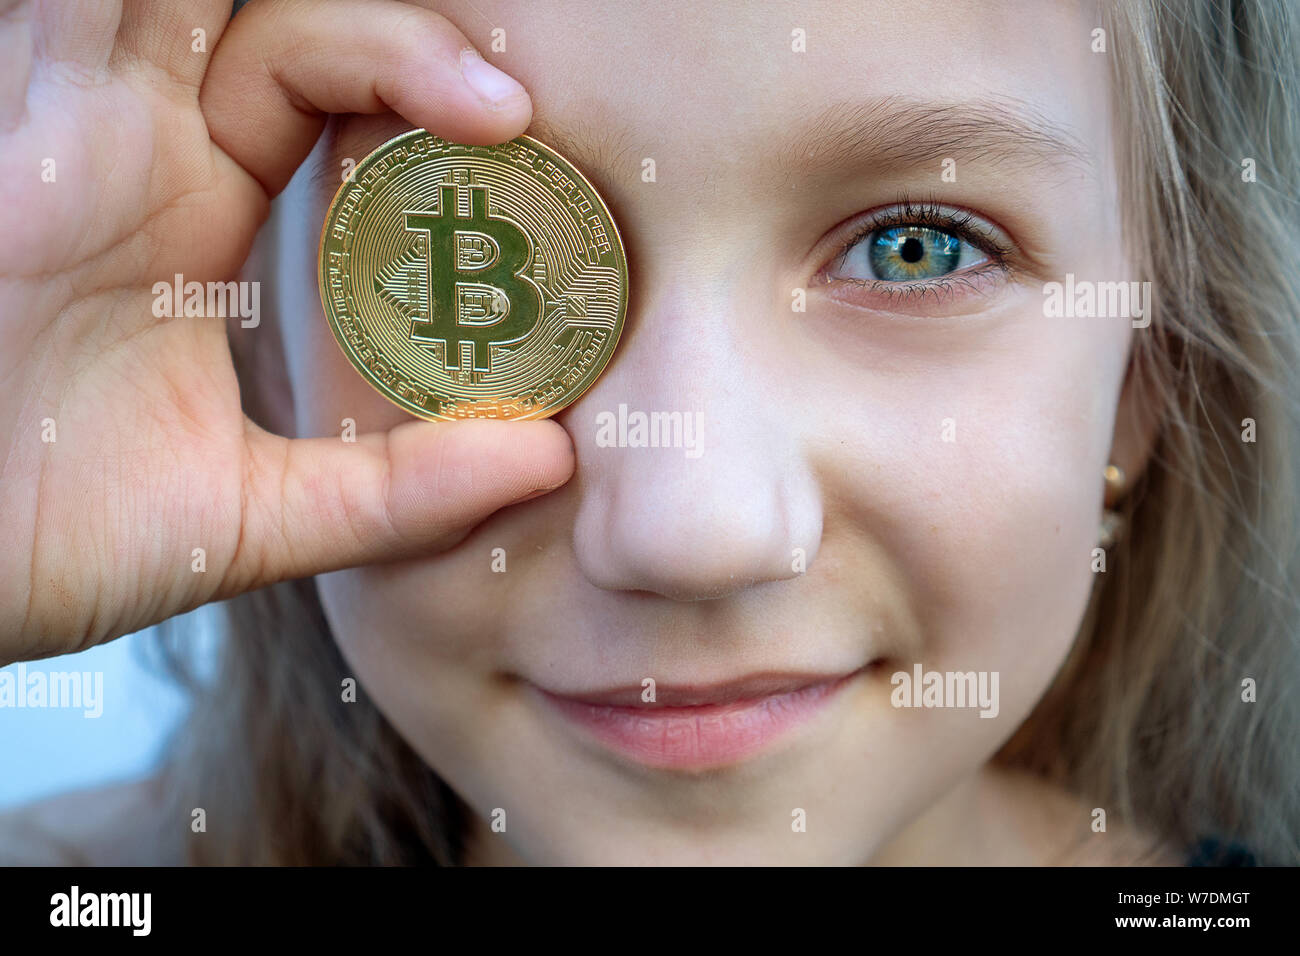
[977, 483]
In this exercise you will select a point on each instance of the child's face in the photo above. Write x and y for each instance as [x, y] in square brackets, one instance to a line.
[937, 453]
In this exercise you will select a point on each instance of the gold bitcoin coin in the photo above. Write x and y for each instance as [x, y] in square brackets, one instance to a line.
[473, 281]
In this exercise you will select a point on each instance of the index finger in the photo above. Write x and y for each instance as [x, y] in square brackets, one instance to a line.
[282, 66]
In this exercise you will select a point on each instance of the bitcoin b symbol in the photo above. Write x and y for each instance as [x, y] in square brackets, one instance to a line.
[495, 305]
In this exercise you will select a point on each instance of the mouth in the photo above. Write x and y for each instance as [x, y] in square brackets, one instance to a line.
[699, 727]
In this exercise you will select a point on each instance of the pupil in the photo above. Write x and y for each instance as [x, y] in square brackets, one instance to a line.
[911, 249]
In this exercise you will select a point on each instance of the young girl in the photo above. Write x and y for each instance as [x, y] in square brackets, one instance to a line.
[986, 317]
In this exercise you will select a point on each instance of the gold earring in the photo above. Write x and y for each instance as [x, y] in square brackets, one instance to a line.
[1112, 522]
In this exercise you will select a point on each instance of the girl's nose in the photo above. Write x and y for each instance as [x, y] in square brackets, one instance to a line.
[726, 500]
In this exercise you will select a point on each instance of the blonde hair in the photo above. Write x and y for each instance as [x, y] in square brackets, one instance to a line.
[1146, 716]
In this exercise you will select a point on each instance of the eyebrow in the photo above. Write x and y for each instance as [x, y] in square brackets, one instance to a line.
[898, 132]
[889, 133]
[595, 148]
[892, 132]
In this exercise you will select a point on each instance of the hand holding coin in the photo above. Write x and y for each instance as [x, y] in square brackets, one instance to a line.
[134, 487]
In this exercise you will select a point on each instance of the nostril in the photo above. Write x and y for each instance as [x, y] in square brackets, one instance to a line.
[681, 591]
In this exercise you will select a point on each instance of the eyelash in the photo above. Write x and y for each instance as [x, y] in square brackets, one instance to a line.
[959, 223]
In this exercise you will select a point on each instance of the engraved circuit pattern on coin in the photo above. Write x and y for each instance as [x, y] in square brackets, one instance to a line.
[473, 281]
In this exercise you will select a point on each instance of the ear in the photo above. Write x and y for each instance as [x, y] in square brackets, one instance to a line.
[1137, 420]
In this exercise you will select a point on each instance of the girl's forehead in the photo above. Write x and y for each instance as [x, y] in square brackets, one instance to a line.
[766, 91]
[685, 64]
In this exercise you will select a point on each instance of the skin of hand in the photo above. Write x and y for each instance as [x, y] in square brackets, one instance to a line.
[131, 150]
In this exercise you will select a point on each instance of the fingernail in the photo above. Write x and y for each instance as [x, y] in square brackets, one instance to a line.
[492, 86]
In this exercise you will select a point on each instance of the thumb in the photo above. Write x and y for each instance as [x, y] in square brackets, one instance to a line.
[312, 505]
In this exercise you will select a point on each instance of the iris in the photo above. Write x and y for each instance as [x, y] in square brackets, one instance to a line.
[905, 253]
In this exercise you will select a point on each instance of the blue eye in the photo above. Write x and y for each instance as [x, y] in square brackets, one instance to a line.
[908, 253]
[901, 253]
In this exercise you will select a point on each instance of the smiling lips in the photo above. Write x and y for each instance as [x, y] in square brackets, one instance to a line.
[701, 728]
